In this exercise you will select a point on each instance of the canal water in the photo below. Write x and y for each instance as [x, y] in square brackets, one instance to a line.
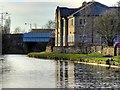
[20, 71]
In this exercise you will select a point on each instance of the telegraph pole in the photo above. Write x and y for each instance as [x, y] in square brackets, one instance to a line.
[1, 29]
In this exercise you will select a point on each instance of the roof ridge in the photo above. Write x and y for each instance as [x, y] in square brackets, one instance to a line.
[67, 8]
[80, 9]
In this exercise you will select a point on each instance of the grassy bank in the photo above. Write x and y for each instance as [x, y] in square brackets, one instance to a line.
[90, 58]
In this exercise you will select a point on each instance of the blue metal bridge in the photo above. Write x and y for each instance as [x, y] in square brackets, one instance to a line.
[36, 37]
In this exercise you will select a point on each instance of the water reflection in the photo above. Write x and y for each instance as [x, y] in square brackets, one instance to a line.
[73, 75]
[65, 74]
[0, 74]
[19, 71]
[22, 72]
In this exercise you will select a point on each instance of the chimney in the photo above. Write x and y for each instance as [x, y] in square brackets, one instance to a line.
[84, 3]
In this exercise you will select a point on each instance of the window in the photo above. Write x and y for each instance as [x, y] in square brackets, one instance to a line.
[71, 22]
[69, 38]
[74, 32]
[83, 38]
[102, 40]
[58, 24]
[80, 21]
[58, 39]
[84, 21]
[112, 22]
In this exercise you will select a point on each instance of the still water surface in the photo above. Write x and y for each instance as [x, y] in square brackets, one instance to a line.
[20, 71]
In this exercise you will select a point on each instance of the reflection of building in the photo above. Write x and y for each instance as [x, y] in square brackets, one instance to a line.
[65, 74]
[0, 43]
[71, 76]
[83, 76]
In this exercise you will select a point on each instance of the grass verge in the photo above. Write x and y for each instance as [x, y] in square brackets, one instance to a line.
[91, 58]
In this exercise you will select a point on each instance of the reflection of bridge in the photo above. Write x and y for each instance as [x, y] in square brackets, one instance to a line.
[34, 41]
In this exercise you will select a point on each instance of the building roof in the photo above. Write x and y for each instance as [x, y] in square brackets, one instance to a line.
[91, 8]
[115, 8]
[65, 12]
[87, 8]
[41, 30]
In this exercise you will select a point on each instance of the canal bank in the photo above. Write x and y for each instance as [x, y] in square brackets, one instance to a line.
[93, 58]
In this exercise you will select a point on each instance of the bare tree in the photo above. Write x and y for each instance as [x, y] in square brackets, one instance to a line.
[7, 26]
[118, 3]
[17, 30]
[49, 25]
[107, 25]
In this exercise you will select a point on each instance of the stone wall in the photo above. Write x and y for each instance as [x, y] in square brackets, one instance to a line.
[77, 50]
[118, 51]
[105, 50]
[108, 51]
[48, 49]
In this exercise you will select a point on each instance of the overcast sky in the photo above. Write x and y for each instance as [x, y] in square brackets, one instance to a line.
[38, 11]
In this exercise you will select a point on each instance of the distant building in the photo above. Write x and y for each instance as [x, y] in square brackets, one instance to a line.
[76, 25]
